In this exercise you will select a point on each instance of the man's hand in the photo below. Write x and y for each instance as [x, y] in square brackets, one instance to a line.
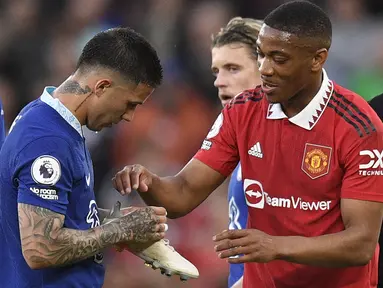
[133, 177]
[118, 212]
[255, 246]
[141, 225]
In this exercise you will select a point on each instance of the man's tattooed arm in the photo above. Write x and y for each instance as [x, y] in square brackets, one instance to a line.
[46, 243]
[73, 87]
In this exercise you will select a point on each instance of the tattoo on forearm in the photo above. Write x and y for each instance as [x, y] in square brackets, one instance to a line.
[71, 86]
[45, 242]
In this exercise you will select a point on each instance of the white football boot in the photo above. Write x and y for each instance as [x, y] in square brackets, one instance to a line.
[159, 255]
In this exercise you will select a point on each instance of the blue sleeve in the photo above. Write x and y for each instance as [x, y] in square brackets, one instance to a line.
[44, 173]
[237, 201]
[237, 216]
[2, 126]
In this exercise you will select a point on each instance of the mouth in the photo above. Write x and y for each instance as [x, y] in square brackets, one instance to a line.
[225, 97]
[268, 87]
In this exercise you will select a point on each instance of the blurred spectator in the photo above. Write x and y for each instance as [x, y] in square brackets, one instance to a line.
[368, 80]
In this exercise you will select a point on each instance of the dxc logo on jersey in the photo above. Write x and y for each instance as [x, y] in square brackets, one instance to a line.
[92, 217]
[256, 197]
[374, 166]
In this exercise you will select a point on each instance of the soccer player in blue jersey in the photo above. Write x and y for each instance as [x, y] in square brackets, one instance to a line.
[2, 125]
[234, 64]
[49, 220]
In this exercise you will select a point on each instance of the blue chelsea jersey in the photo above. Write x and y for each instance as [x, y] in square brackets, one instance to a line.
[45, 163]
[237, 216]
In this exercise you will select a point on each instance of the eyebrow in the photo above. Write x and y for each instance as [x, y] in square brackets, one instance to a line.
[227, 65]
[274, 52]
[277, 52]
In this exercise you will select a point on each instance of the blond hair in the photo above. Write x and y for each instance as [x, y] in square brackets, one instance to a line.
[239, 30]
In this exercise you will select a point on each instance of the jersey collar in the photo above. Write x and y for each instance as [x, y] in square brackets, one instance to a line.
[64, 112]
[310, 115]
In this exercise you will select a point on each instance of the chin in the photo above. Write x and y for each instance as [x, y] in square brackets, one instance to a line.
[95, 129]
[273, 99]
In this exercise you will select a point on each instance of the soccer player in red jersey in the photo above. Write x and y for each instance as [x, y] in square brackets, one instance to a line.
[312, 163]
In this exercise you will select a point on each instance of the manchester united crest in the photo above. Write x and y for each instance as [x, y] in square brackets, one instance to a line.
[316, 160]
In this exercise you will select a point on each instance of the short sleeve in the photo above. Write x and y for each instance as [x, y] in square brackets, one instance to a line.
[44, 174]
[363, 175]
[219, 150]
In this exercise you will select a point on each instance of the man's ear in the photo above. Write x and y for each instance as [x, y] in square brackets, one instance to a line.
[319, 59]
[101, 86]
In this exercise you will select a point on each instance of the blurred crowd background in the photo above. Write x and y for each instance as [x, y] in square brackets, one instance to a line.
[40, 41]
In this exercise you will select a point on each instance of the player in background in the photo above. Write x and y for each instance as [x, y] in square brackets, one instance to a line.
[2, 125]
[234, 64]
[377, 104]
[314, 197]
[49, 220]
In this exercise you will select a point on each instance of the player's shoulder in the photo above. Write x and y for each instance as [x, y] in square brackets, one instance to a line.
[245, 99]
[38, 114]
[354, 112]
[35, 123]
[35, 116]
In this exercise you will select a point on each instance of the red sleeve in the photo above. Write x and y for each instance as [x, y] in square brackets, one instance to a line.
[219, 150]
[363, 178]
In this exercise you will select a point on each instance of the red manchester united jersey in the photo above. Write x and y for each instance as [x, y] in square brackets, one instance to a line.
[296, 170]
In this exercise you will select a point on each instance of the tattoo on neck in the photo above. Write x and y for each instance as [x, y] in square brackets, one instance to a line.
[71, 86]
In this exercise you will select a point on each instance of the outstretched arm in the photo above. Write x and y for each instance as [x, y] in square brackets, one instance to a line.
[179, 194]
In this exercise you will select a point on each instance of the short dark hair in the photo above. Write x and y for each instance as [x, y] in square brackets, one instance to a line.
[303, 19]
[239, 30]
[124, 51]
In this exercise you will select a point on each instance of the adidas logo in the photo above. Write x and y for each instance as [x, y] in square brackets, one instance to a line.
[256, 151]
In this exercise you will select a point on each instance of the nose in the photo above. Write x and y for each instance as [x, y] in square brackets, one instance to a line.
[220, 81]
[265, 67]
